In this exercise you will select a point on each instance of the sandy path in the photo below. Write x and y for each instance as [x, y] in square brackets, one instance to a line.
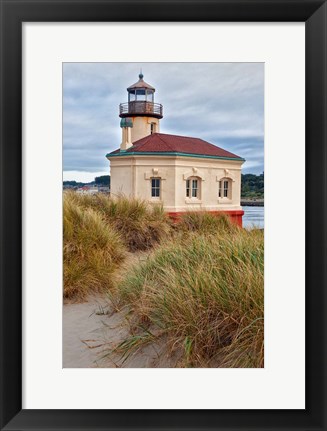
[91, 329]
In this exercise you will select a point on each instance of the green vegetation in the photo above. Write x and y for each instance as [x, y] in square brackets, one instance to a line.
[205, 223]
[92, 250]
[104, 180]
[200, 288]
[204, 293]
[73, 184]
[141, 226]
[252, 186]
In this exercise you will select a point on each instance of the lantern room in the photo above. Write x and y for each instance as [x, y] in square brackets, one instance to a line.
[141, 101]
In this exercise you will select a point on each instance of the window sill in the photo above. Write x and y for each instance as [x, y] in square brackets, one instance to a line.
[224, 201]
[193, 201]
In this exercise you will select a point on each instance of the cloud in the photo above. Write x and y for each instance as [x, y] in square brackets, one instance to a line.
[222, 103]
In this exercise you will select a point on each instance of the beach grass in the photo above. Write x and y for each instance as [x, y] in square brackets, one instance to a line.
[140, 224]
[205, 295]
[92, 250]
[199, 285]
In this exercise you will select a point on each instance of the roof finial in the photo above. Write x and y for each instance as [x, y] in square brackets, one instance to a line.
[141, 74]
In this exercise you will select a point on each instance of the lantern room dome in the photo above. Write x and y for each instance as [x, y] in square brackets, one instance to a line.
[141, 84]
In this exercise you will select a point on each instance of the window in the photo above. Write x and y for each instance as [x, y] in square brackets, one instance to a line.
[131, 96]
[153, 128]
[193, 188]
[224, 189]
[187, 188]
[140, 95]
[155, 187]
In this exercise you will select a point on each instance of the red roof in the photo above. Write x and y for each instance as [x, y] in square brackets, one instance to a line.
[163, 143]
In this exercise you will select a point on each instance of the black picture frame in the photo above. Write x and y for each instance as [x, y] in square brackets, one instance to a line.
[13, 14]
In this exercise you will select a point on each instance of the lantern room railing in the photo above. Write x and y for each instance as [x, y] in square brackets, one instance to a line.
[140, 107]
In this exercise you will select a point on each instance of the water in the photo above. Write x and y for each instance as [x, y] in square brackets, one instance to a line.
[253, 216]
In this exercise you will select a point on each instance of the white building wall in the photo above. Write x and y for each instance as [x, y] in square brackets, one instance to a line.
[121, 178]
[131, 175]
[142, 127]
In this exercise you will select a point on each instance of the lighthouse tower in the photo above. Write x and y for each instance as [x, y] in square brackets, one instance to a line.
[140, 116]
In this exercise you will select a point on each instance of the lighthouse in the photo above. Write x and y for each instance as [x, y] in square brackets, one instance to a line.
[181, 173]
[140, 116]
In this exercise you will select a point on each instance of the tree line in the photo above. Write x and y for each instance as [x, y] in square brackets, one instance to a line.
[103, 180]
[252, 186]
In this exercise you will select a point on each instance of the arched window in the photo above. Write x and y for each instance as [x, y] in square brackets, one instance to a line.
[193, 187]
[225, 188]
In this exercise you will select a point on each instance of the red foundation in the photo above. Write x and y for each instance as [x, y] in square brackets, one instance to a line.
[234, 215]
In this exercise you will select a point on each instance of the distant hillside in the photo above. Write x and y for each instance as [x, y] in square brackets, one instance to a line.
[252, 186]
[104, 180]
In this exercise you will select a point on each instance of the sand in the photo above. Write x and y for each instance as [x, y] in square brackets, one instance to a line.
[92, 329]
[85, 328]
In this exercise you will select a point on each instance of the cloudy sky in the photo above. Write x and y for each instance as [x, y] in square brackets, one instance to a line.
[222, 103]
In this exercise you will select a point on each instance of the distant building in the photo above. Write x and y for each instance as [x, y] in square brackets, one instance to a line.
[89, 190]
[103, 189]
[182, 173]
